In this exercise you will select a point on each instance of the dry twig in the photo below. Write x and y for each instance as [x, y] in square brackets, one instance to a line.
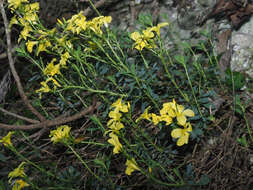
[49, 123]
[12, 67]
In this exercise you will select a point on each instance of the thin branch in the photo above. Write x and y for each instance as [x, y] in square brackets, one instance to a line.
[49, 123]
[12, 67]
[19, 116]
[133, 15]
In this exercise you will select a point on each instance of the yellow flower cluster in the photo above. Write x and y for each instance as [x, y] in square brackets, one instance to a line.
[18, 173]
[131, 166]
[115, 125]
[169, 111]
[29, 17]
[78, 23]
[51, 70]
[146, 39]
[7, 139]
[61, 134]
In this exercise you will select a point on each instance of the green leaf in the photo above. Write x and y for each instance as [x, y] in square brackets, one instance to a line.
[2, 157]
[145, 19]
[242, 141]
[204, 180]
[180, 59]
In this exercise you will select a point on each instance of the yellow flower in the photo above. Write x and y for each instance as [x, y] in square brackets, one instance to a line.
[136, 36]
[13, 21]
[166, 118]
[29, 45]
[7, 139]
[168, 109]
[32, 7]
[45, 88]
[19, 184]
[131, 166]
[116, 126]
[141, 40]
[155, 118]
[114, 140]
[148, 33]
[139, 43]
[115, 116]
[77, 23]
[17, 172]
[43, 34]
[96, 23]
[43, 46]
[31, 12]
[105, 20]
[14, 4]
[60, 134]
[64, 59]
[182, 134]
[145, 115]
[81, 24]
[54, 82]
[31, 17]
[157, 28]
[114, 123]
[25, 32]
[119, 106]
[52, 69]
[181, 114]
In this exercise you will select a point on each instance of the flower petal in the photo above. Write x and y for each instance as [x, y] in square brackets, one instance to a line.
[188, 113]
[181, 119]
[176, 133]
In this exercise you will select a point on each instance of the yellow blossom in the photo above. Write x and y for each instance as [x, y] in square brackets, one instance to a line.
[25, 32]
[60, 134]
[19, 184]
[13, 21]
[131, 166]
[14, 4]
[64, 58]
[166, 118]
[182, 134]
[96, 23]
[116, 126]
[7, 139]
[45, 88]
[157, 28]
[32, 7]
[31, 12]
[114, 123]
[77, 23]
[145, 115]
[181, 114]
[31, 17]
[155, 118]
[141, 40]
[29, 45]
[114, 140]
[115, 116]
[17, 172]
[148, 33]
[45, 33]
[54, 82]
[52, 69]
[43, 45]
[119, 106]
[168, 109]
